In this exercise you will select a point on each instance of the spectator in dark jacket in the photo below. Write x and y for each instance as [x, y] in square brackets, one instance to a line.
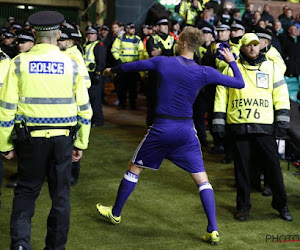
[291, 52]
[287, 19]
[248, 14]
[266, 16]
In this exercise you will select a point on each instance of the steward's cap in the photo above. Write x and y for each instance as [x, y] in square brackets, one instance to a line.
[222, 27]
[91, 30]
[237, 25]
[46, 20]
[262, 33]
[163, 21]
[8, 34]
[16, 26]
[249, 38]
[24, 36]
[105, 27]
[69, 34]
[130, 26]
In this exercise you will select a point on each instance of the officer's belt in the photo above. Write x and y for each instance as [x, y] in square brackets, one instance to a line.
[48, 133]
[172, 117]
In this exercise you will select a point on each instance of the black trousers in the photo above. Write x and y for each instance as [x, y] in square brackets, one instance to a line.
[96, 99]
[245, 147]
[199, 110]
[127, 83]
[43, 157]
[1, 175]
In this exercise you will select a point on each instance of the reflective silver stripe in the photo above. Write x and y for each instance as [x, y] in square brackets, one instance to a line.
[7, 105]
[218, 121]
[128, 48]
[75, 71]
[1, 84]
[84, 107]
[278, 84]
[86, 78]
[17, 63]
[283, 118]
[37, 100]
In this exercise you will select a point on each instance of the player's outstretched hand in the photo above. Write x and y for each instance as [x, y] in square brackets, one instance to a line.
[107, 72]
[228, 56]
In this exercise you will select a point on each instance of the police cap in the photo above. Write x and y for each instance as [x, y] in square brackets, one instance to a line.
[8, 34]
[16, 26]
[24, 36]
[162, 21]
[237, 25]
[262, 33]
[105, 27]
[69, 24]
[222, 27]
[91, 30]
[130, 26]
[69, 34]
[46, 20]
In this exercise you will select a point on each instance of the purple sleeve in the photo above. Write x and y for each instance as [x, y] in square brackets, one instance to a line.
[215, 77]
[142, 65]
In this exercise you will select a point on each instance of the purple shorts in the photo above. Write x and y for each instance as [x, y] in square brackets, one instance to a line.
[175, 140]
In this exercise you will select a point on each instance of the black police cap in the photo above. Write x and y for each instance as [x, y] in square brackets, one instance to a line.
[262, 33]
[71, 34]
[46, 20]
[24, 35]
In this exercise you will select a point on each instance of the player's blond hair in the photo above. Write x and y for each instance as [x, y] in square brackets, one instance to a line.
[193, 37]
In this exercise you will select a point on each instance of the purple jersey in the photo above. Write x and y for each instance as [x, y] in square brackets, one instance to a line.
[181, 80]
[172, 135]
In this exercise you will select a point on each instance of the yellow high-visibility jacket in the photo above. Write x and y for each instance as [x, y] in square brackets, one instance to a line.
[89, 57]
[128, 48]
[75, 53]
[45, 88]
[4, 66]
[274, 55]
[253, 108]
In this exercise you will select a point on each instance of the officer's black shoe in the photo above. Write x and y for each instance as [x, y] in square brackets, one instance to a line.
[217, 150]
[19, 248]
[12, 184]
[226, 160]
[285, 214]
[241, 215]
[121, 107]
[73, 181]
[267, 192]
[97, 124]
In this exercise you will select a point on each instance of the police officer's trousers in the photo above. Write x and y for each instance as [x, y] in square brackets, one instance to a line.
[49, 158]
[244, 156]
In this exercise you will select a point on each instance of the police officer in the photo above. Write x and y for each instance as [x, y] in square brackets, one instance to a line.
[68, 44]
[4, 66]
[25, 40]
[250, 113]
[159, 44]
[8, 45]
[203, 102]
[265, 44]
[45, 110]
[126, 48]
[95, 61]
